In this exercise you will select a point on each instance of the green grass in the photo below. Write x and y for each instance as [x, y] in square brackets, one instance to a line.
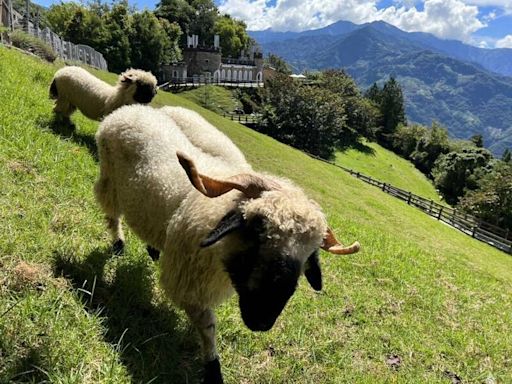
[384, 165]
[217, 99]
[72, 313]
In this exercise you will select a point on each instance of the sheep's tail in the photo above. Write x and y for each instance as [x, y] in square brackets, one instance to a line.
[53, 90]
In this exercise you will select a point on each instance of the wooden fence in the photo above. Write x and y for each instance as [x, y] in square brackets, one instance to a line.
[488, 233]
[199, 81]
[64, 49]
[242, 118]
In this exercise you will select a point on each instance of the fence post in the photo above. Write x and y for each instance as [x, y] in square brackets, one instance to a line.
[439, 214]
[384, 187]
[409, 198]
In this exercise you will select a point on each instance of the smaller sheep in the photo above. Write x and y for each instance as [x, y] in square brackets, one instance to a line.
[74, 87]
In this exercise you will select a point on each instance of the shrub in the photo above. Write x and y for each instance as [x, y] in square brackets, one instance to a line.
[32, 44]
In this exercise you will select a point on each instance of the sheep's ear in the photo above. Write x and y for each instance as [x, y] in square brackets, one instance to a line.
[313, 272]
[232, 221]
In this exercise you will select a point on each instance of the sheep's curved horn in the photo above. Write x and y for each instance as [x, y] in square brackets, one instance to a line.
[332, 245]
[251, 185]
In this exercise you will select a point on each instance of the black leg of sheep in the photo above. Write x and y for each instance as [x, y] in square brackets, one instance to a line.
[153, 253]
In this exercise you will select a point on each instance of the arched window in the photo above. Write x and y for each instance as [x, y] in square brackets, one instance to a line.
[235, 73]
[223, 75]
[228, 78]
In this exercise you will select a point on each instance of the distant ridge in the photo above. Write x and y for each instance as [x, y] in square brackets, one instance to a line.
[465, 88]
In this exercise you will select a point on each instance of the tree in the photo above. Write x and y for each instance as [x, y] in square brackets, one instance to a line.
[149, 41]
[117, 51]
[308, 118]
[392, 109]
[456, 172]
[406, 138]
[374, 93]
[492, 201]
[507, 156]
[478, 140]
[278, 64]
[233, 35]
[362, 114]
[430, 147]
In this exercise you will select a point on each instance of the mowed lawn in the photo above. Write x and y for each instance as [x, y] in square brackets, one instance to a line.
[421, 303]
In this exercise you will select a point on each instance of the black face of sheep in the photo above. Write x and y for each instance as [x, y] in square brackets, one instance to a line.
[264, 278]
[144, 92]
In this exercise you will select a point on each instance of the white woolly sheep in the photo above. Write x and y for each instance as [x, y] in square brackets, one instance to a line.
[74, 87]
[233, 230]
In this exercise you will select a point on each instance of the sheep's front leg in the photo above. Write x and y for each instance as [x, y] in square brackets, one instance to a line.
[116, 230]
[204, 321]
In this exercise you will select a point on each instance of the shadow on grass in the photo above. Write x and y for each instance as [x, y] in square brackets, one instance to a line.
[67, 130]
[144, 330]
[358, 146]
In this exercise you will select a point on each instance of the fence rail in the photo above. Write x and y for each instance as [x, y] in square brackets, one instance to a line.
[64, 49]
[491, 234]
[242, 118]
[192, 82]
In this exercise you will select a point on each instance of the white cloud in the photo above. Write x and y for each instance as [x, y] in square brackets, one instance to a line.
[449, 19]
[455, 19]
[506, 42]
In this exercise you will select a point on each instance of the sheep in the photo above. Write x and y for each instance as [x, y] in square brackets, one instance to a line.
[222, 227]
[73, 87]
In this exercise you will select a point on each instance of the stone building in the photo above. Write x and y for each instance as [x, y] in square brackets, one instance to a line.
[205, 63]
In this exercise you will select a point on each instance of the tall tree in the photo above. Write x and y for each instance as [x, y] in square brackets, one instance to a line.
[478, 140]
[233, 35]
[117, 50]
[392, 109]
[507, 156]
[278, 63]
[149, 41]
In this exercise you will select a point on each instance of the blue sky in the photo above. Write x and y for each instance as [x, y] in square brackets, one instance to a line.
[485, 23]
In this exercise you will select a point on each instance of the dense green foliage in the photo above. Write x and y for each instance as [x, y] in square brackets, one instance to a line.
[232, 34]
[125, 37]
[146, 39]
[456, 172]
[420, 303]
[492, 201]
[309, 118]
[278, 64]
[318, 117]
[202, 18]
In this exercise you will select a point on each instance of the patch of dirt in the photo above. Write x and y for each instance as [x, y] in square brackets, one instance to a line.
[18, 167]
[24, 275]
[394, 362]
[455, 379]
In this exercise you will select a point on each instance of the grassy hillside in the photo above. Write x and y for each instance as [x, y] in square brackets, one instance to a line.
[217, 99]
[384, 165]
[421, 303]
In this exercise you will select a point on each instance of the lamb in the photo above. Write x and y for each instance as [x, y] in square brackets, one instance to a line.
[222, 227]
[73, 87]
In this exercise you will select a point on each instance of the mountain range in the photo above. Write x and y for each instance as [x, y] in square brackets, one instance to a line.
[467, 89]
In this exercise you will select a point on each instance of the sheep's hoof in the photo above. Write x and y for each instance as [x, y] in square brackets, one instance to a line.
[118, 247]
[153, 253]
[212, 374]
